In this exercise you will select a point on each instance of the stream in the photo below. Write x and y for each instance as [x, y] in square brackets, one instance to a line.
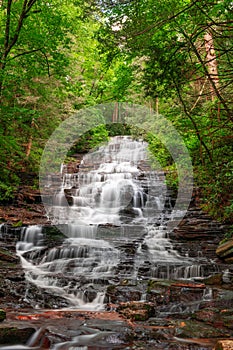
[110, 250]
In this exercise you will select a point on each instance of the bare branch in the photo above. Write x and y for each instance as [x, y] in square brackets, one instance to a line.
[47, 62]
[148, 29]
[24, 53]
[199, 96]
[193, 121]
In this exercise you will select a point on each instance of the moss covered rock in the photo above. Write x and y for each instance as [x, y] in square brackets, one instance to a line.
[12, 335]
[214, 279]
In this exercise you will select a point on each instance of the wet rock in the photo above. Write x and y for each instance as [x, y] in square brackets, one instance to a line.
[23, 214]
[197, 329]
[40, 339]
[12, 335]
[214, 280]
[224, 345]
[227, 276]
[5, 255]
[225, 250]
[158, 292]
[2, 315]
[137, 311]
[36, 297]
[118, 294]
[209, 315]
[90, 294]
[198, 225]
[186, 292]
[221, 319]
[227, 318]
[157, 297]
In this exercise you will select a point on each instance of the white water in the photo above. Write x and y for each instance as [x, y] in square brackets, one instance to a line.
[114, 186]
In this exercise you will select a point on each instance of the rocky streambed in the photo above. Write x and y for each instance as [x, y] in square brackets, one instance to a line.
[139, 313]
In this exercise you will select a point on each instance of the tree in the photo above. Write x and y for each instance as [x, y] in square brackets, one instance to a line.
[34, 65]
[187, 55]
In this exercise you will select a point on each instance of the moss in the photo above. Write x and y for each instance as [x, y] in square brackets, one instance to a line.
[140, 315]
[214, 280]
[18, 224]
[13, 335]
[111, 289]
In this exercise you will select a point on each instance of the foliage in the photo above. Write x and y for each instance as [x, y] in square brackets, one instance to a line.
[115, 129]
[89, 140]
[158, 150]
[179, 45]
[217, 190]
[98, 135]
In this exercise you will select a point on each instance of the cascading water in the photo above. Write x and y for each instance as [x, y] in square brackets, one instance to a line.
[117, 201]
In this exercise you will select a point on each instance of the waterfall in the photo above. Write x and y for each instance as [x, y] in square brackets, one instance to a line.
[117, 204]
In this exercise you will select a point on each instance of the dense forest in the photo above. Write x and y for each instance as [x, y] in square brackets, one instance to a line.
[175, 57]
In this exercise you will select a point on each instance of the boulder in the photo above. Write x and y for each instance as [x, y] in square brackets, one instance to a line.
[224, 345]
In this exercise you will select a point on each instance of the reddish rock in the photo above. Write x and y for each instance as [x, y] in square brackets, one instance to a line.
[224, 345]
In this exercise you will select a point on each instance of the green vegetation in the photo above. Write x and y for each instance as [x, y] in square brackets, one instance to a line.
[173, 56]
[90, 140]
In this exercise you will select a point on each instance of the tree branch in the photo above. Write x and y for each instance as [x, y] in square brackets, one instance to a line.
[24, 53]
[29, 5]
[192, 120]
[7, 29]
[148, 29]
[206, 71]
[47, 62]
[18, 28]
[199, 96]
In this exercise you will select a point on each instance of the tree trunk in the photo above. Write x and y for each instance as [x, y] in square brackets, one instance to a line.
[115, 113]
[29, 145]
[211, 63]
